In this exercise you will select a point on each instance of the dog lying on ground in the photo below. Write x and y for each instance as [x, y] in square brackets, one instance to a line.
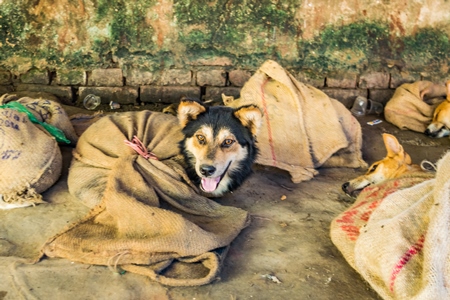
[396, 163]
[440, 125]
[219, 145]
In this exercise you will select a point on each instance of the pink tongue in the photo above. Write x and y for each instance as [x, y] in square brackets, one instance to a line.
[210, 184]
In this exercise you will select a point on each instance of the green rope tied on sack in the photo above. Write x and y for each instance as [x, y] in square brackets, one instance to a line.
[56, 132]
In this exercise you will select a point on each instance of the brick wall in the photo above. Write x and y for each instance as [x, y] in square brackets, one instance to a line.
[141, 87]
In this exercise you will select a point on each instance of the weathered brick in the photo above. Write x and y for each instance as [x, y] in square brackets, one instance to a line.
[35, 76]
[121, 95]
[342, 80]
[168, 94]
[382, 96]
[70, 77]
[398, 78]
[137, 77]
[239, 77]
[176, 77]
[215, 93]
[211, 78]
[64, 93]
[106, 77]
[315, 81]
[345, 96]
[374, 80]
[5, 77]
[6, 89]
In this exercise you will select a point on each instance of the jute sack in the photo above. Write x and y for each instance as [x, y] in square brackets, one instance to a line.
[404, 250]
[303, 129]
[412, 105]
[346, 227]
[399, 241]
[30, 159]
[147, 217]
[45, 110]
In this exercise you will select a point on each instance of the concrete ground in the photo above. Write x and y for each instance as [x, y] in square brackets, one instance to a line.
[288, 239]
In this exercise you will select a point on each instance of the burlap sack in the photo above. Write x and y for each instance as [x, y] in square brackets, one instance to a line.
[45, 110]
[303, 128]
[30, 159]
[402, 247]
[412, 105]
[345, 228]
[147, 217]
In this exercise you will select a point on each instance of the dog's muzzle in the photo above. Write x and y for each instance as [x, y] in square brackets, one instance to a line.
[430, 133]
[350, 192]
[209, 184]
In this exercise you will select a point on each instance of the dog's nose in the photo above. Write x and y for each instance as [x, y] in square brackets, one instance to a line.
[207, 170]
[345, 186]
[428, 132]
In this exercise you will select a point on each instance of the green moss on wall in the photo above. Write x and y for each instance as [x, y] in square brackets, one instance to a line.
[13, 20]
[232, 26]
[429, 47]
[351, 46]
[119, 33]
[127, 23]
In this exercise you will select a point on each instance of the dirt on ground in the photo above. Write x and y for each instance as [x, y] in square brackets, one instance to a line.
[285, 252]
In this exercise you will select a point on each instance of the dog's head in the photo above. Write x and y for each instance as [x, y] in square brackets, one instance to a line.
[219, 144]
[440, 124]
[396, 162]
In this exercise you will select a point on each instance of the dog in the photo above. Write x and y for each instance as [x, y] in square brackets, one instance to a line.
[219, 144]
[440, 124]
[396, 163]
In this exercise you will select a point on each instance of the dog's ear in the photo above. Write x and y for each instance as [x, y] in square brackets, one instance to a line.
[227, 99]
[250, 116]
[394, 149]
[189, 110]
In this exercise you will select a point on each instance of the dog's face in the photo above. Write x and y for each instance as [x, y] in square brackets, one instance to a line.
[219, 145]
[440, 125]
[396, 162]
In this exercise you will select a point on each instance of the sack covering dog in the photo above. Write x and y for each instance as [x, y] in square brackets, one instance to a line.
[412, 105]
[397, 235]
[148, 217]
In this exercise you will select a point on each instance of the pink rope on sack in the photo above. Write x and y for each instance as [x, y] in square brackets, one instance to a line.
[140, 148]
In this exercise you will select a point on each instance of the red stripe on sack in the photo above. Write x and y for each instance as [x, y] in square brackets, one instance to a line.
[412, 251]
[269, 129]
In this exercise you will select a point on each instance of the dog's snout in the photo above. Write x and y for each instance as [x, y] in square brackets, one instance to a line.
[207, 170]
[345, 186]
[428, 132]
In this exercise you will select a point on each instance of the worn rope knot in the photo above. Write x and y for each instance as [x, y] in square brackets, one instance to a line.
[117, 256]
[427, 165]
[140, 149]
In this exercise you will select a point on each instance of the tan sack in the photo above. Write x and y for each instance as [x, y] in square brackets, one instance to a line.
[147, 216]
[30, 159]
[45, 110]
[303, 129]
[412, 105]
[397, 235]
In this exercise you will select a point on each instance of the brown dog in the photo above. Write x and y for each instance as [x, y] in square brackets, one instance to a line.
[440, 125]
[396, 163]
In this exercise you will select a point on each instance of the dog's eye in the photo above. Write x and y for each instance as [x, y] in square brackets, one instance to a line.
[201, 139]
[374, 167]
[227, 143]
